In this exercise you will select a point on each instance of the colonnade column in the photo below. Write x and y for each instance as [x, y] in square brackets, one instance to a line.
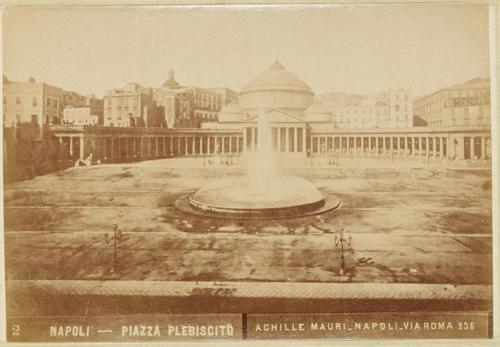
[254, 138]
[71, 146]
[287, 139]
[244, 149]
[304, 143]
[295, 139]
[434, 147]
[483, 147]
[444, 147]
[82, 146]
[278, 139]
[472, 151]
[119, 140]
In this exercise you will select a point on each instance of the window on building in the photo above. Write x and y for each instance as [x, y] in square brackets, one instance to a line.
[18, 118]
[397, 107]
[35, 101]
[4, 100]
[34, 118]
[18, 100]
[466, 115]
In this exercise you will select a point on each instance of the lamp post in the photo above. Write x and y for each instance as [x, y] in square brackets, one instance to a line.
[342, 238]
[115, 238]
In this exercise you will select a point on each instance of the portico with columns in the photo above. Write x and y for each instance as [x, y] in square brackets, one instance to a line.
[290, 137]
[460, 143]
[114, 144]
[288, 132]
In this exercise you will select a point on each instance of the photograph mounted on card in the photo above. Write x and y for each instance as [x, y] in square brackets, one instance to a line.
[247, 172]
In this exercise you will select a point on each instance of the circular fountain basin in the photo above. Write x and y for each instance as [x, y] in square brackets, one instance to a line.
[236, 197]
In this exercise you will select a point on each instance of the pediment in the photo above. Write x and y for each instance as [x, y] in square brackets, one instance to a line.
[278, 116]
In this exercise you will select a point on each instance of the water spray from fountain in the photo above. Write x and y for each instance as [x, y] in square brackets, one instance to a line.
[262, 192]
[260, 163]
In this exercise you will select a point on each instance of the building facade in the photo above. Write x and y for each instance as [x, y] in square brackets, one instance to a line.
[80, 116]
[84, 110]
[206, 105]
[129, 106]
[40, 103]
[465, 104]
[25, 102]
[228, 95]
[390, 109]
[188, 107]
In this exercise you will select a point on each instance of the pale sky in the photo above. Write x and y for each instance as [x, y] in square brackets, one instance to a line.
[356, 49]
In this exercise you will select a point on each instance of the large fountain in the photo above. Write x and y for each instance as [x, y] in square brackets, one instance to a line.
[262, 193]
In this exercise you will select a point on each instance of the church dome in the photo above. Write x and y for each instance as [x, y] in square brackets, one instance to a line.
[276, 88]
[171, 82]
[276, 77]
[231, 113]
[318, 113]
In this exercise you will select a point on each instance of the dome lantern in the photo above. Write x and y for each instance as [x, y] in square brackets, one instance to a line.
[171, 82]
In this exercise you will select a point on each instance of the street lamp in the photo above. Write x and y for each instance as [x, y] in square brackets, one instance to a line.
[342, 238]
[117, 237]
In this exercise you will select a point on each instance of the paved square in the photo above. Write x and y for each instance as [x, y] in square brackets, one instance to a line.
[418, 226]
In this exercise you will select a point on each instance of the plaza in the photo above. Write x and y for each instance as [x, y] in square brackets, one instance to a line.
[427, 225]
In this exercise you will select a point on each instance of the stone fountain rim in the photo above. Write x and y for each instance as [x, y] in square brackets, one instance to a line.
[209, 196]
[328, 204]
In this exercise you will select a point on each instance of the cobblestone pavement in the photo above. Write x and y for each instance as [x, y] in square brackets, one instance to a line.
[258, 289]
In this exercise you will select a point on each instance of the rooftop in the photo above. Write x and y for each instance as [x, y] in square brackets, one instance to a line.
[276, 77]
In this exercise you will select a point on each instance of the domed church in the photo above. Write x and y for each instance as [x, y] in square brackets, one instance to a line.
[276, 88]
[287, 103]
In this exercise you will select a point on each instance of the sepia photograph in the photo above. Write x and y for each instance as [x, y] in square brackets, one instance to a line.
[248, 172]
